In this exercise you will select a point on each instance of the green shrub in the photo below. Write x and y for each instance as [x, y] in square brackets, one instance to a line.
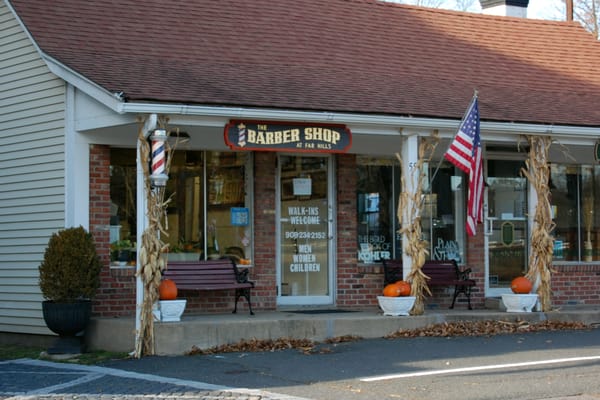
[70, 270]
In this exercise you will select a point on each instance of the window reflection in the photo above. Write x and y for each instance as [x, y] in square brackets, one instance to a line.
[442, 218]
[207, 215]
[376, 201]
[575, 207]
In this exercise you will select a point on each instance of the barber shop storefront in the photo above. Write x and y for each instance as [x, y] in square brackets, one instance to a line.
[312, 215]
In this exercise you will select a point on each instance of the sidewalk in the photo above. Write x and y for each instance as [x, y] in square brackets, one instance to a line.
[27, 379]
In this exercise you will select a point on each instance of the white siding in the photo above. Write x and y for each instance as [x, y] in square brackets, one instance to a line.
[32, 151]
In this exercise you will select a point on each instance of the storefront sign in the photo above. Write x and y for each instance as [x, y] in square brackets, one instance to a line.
[287, 136]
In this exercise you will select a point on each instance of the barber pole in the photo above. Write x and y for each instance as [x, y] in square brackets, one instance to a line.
[158, 177]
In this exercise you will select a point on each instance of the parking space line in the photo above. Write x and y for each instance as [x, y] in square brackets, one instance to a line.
[50, 389]
[123, 374]
[476, 369]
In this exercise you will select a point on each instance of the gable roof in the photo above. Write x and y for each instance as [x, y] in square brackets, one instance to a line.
[360, 56]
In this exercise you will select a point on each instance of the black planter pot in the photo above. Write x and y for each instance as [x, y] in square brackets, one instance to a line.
[68, 320]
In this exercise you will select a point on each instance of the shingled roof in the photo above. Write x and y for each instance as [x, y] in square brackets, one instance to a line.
[360, 56]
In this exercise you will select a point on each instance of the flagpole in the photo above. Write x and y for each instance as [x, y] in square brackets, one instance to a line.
[450, 144]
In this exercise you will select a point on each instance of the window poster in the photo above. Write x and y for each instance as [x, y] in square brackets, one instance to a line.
[304, 244]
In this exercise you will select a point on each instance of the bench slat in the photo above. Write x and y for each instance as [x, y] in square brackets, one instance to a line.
[440, 273]
[205, 275]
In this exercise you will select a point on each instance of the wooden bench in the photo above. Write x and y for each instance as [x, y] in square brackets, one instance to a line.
[441, 273]
[204, 275]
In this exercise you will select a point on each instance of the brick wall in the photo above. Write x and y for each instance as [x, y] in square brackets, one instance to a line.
[358, 285]
[116, 296]
[576, 285]
[264, 272]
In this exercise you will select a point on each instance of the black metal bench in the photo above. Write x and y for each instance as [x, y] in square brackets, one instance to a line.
[440, 273]
[221, 274]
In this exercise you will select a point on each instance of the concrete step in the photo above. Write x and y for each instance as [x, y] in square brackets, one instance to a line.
[210, 330]
[494, 303]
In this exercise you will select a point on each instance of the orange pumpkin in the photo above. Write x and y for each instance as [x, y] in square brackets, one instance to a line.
[404, 288]
[167, 290]
[521, 285]
[391, 290]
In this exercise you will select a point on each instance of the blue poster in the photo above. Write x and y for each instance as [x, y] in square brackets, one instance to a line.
[240, 216]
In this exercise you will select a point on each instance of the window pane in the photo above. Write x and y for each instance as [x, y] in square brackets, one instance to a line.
[228, 228]
[443, 218]
[376, 209]
[589, 205]
[123, 206]
[185, 211]
[564, 189]
[207, 213]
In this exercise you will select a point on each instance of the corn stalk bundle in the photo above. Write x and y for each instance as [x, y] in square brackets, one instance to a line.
[410, 206]
[151, 258]
[537, 172]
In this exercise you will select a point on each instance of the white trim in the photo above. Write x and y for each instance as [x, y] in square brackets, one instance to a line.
[77, 161]
[393, 122]
[142, 224]
[111, 100]
[410, 159]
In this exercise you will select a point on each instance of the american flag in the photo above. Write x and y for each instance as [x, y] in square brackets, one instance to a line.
[465, 153]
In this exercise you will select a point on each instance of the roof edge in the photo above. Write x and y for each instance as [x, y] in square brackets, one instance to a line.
[67, 74]
[92, 89]
[373, 120]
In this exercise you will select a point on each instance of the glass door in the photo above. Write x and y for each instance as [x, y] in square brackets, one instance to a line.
[305, 216]
[506, 241]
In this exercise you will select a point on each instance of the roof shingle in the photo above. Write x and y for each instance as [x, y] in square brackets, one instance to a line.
[362, 56]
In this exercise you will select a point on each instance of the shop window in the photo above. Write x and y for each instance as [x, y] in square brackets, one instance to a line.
[575, 209]
[208, 215]
[443, 216]
[377, 193]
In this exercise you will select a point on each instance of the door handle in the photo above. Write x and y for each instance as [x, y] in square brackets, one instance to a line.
[489, 226]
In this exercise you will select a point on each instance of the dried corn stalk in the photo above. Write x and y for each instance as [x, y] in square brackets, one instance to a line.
[151, 258]
[410, 206]
[537, 172]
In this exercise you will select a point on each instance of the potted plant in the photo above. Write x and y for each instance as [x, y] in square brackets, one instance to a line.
[120, 251]
[69, 278]
[521, 299]
[396, 299]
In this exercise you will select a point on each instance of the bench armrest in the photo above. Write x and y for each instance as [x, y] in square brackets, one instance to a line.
[242, 275]
[464, 274]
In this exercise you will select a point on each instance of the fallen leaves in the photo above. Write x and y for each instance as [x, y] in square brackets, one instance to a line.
[256, 345]
[305, 346]
[485, 328]
[446, 329]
